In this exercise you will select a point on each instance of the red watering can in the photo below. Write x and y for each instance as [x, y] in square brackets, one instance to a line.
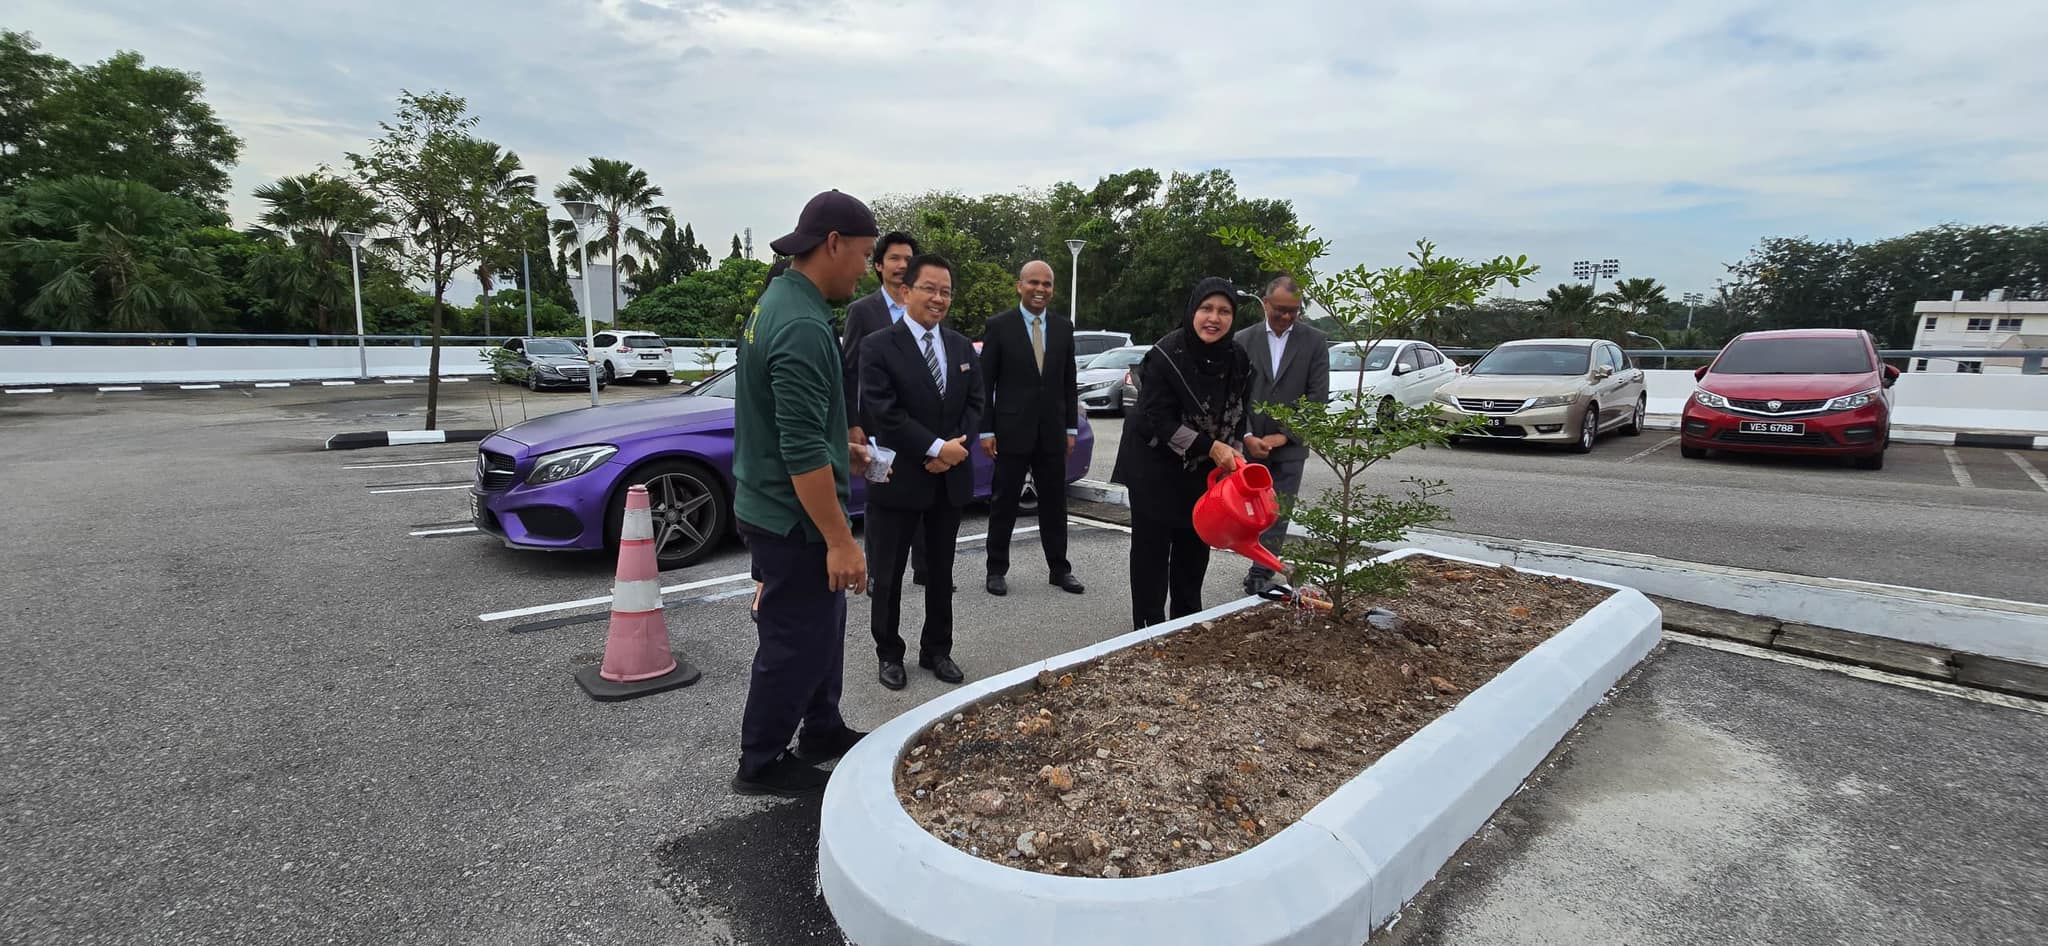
[1238, 506]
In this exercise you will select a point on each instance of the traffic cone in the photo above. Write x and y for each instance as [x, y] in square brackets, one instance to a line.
[637, 659]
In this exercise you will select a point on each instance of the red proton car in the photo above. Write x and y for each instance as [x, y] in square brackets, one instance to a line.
[1810, 391]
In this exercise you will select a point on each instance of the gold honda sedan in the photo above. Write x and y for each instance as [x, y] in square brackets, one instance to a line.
[1550, 390]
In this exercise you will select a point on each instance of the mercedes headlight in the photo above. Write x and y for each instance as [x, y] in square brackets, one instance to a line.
[1554, 400]
[547, 369]
[1707, 398]
[1850, 402]
[563, 464]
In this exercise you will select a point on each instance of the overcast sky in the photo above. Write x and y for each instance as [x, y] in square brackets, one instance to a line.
[1670, 138]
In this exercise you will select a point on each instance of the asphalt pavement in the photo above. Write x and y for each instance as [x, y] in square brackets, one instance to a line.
[1962, 519]
[249, 694]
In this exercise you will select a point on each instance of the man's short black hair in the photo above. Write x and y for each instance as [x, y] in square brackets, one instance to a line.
[888, 240]
[924, 261]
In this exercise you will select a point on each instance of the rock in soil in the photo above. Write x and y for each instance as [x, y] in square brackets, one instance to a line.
[1207, 741]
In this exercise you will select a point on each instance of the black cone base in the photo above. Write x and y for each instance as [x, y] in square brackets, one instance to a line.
[608, 691]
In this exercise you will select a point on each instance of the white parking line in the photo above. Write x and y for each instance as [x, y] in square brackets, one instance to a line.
[336, 384]
[1955, 466]
[31, 390]
[122, 387]
[397, 380]
[199, 387]
[455, 531]
[1661, 444]
[273, 384]
[686, 586]
[393, 466]
[2029, 469]
[418, 489]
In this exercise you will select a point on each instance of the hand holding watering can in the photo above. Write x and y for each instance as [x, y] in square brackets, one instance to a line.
[1239, 506]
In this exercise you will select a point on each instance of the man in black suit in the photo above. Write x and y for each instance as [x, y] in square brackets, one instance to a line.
[1033, 416]
[921, 387]
[865, 316]
[1290, 361]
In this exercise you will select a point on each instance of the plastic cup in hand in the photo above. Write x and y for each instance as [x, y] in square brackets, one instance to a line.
[880, 459]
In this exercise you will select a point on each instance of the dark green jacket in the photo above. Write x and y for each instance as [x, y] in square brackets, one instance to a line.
[791, 406]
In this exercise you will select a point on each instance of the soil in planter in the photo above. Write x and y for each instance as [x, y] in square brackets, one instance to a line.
[1197, 745]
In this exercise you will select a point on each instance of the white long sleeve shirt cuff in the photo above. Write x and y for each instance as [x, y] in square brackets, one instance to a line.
[933, 450]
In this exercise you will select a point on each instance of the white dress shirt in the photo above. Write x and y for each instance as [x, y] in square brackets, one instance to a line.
[1277, 342]
[919, 334]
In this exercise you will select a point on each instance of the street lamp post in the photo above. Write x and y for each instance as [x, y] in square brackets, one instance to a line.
[1592, 270]
[582, 214]
[1666, 359]
[355, 267]
[526, 271]
[1693, 300]
[1074, 284]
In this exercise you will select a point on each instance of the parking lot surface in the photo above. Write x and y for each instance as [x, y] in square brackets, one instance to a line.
[255, 692]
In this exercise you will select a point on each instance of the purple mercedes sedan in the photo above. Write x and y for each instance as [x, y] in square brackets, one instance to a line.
[559, 482]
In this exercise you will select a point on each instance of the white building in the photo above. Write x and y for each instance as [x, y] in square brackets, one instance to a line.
[1992, 325]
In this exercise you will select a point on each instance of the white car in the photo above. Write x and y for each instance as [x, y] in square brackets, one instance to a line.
[1088, 344]
[1395, 369]
[629, 354]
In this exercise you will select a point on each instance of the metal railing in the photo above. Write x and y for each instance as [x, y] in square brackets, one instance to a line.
[192, 339]
[2030, 359]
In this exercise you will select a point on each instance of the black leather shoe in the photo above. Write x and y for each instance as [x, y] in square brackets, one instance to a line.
[787, 776]
[942, 667]
[997, 586]
[1069, 584]
[891, 674]
[832, 746]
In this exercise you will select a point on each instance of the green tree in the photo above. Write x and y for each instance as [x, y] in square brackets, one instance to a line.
[670, 257]
[496, 202]
[736, 253]
[1351, 435]
[26, 78]
[125, 120]
[1571, 310]
[415, 169]
[626, 199]
[709, 303]
[1632, 300]
[114, 257]
[307, 213]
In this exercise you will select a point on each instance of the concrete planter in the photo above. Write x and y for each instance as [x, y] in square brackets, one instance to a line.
[1330, 878]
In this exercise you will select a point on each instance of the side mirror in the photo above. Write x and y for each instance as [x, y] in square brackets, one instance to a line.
[1602, 372]
[1400, 370]
[1891, 375]
[1700, 373]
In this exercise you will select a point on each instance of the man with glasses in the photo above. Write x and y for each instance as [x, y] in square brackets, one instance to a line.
[1290, 361]
[920, 386]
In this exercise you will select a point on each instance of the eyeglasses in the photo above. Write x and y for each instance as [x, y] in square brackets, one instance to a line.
[1285, 309]
[930, 289]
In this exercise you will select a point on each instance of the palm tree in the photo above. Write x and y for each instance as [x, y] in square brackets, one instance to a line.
[309, 211]
[1635, 299]
[625, 201]
[121, 253]
[500, 193]
[1572, 307]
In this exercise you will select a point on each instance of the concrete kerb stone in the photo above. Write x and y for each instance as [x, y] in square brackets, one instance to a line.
[404, 438]
[1330, 878]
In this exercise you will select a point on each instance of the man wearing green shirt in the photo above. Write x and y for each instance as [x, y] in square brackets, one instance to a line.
[791, 461]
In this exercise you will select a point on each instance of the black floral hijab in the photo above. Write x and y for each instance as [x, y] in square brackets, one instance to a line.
[1216, 376]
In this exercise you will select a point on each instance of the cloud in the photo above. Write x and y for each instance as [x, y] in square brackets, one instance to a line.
[1671, 136]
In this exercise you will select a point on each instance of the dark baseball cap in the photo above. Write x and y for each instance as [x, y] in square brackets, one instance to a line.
[828, 213]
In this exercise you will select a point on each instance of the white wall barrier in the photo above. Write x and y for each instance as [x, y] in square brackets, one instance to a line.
[139, 364]
[1979, 402]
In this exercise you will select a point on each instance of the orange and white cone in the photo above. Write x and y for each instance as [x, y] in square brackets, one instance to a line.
[637, 658]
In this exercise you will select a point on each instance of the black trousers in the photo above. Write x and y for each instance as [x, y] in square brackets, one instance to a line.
[801, 657]
[1166, 558]
[892, 532]
[867, 540]
[1048, 469]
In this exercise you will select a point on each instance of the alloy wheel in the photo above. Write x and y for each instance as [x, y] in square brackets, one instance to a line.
[684, 512]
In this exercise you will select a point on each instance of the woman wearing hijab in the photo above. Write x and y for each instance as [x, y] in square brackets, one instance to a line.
[1194, 405]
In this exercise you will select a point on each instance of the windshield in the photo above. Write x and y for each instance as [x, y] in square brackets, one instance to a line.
[1557, 360]
[645, 341]
[724, 384]
[1121, 358]
[552, 346]
[1348, 358]
[1095, 344]
[1794, 356]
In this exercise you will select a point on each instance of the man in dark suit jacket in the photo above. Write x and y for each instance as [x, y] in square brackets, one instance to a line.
[865, 316]
[1290, 361]
[921, 385]
[1033, 416]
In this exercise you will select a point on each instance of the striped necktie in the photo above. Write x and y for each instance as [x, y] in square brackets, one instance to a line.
[931, 362]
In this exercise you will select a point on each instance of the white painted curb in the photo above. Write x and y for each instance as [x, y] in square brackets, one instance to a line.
[1329, 879]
